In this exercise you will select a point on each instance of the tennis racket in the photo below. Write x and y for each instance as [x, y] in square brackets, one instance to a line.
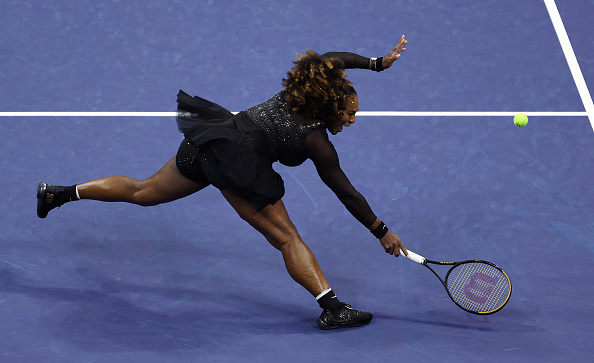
[477, 286]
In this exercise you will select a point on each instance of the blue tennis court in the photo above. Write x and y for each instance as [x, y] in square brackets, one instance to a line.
[443, 166]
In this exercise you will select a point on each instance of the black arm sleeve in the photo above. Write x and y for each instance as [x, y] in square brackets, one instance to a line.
[351, 60]
[322, 153]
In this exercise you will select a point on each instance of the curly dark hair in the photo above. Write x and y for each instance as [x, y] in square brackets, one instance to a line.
[317, 87]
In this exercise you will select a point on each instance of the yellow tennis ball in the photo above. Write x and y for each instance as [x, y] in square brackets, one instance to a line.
[520, 120]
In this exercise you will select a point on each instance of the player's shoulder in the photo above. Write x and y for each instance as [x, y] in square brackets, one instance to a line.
[319, 147]
[318, 137]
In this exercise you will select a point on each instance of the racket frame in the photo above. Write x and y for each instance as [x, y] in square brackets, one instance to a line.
[423, 261]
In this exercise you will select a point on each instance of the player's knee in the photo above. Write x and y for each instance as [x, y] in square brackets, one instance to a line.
[285, 239]
[144, 195]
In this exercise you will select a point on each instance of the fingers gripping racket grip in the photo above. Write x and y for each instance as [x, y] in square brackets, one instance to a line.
[415, 257]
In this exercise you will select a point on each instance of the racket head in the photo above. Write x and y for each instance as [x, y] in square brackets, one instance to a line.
[479, 287]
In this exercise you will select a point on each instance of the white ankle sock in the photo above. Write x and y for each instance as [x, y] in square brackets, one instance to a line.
[323, 293]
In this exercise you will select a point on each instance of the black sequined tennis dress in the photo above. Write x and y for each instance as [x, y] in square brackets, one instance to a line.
[236, 152]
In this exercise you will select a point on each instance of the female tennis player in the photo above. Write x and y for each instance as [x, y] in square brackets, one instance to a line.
[235, 154]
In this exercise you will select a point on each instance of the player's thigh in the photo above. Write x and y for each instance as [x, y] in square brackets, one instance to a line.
[169, 184]
[272, 221]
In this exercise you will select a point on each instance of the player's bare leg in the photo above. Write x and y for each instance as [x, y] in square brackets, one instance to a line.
[166, 185]
[274, 223]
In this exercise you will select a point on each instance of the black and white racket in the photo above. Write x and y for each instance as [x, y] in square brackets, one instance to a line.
[477, 286]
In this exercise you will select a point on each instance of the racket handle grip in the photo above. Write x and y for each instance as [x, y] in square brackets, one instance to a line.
[414, 257]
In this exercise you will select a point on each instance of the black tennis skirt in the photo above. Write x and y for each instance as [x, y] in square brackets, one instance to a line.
[226, 150]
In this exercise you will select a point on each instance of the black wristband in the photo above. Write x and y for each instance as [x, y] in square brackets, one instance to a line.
[377, 64]
[380, 231]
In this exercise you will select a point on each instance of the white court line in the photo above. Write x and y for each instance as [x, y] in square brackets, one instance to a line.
[465, 114]
[359, 114]
[87, 114]
[574, 66]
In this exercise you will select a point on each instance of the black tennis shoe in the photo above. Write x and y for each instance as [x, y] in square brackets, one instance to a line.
[49, 197]
[343, 318]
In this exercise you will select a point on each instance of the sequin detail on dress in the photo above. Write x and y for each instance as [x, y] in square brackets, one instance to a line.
[285, 135]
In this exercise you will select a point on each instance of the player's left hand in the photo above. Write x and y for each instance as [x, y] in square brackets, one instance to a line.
[394, 54]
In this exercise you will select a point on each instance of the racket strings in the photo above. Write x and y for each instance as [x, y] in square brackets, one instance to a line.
[479, 287]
